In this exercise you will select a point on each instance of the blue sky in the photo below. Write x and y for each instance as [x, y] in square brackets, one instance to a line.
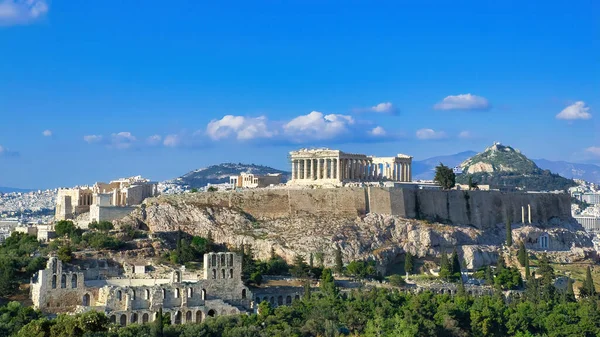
[96, 90]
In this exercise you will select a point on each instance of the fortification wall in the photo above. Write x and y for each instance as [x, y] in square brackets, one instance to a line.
[478, 208]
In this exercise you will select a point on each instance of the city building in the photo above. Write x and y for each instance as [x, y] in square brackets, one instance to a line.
[249, 180]
[589, 222]
[334, 167]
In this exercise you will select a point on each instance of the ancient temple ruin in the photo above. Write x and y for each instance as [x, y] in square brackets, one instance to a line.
[334, 167]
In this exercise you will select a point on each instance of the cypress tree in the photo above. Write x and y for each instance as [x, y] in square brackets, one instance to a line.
[455, 262]
[588, 289]
[522, 254]
[509, 241]
[408, 263]
[339, 263]
[210, 241]
[445, 267]
[570, 294]
[489, 276]
[527, 273]
[157, 327]
[311, 261]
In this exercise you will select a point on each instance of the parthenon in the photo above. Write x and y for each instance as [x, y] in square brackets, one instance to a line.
[334, 167]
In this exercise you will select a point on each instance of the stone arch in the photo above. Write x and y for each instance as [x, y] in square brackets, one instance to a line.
[177, 293]
[272, 300]
[233, 312]
[231, 273]
[63, 281]
[177, 319]
[214, 260]
[297, 297]
[74, 281]
[134, 318]
[244, 294]
[190, 292]
[54, 265]
[119, 295]
[222, 260]
[147, 292]
[123, 320]
[199, 314]
[214, 273]
[188, 317]
[145, 318]
[86, 300]
[280, 300]
[53, 281]
[222, 273]
[231, 260]
[164, 293]
[257, 300]
[211, 313]
[177, 276]
[203, 294]
[113, 319]
[133, 294]
[288, 300]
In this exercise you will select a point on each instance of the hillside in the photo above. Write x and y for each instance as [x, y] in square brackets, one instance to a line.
[218, 174]
[587, 172]
[504, 166]
[425, 169]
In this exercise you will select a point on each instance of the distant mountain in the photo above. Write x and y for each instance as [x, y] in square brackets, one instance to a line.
[217, 174]
[13, 189]
[503, 166]
[587, 172]
[425, 169]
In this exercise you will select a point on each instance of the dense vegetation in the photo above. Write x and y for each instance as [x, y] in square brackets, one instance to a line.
[444, 176]
[18, 262]
[542, 311]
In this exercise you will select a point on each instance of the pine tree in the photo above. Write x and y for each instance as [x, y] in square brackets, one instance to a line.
[500, 264]
[408, 263]
[307, 290]
[522, 254]
[210, 241]
[445, 267]
[461, 291]
[339, 263]
[311, 261]
[509, 241]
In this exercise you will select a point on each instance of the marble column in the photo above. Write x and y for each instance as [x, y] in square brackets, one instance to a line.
[318, 168]
[409, 178]
[293, 169]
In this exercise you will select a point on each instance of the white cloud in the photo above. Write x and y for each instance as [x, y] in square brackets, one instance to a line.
[463, 102]
[316, 126]
[154, 140]
[244, 128]
[465, 135]
[577, 110]
[593, 150]
[386, 107]
[19, 12]
[47, 133]
[378, 131]
[427, 134]
[4, 152]
[122, 140]
[93, 138]
[172, 140]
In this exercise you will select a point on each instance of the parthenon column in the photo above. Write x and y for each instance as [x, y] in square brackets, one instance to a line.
[318, 168]
[293, 169]
[409, 175]
[305, 171]
[403, 177]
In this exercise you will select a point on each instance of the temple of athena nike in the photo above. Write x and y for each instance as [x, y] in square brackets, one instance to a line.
[334, 167]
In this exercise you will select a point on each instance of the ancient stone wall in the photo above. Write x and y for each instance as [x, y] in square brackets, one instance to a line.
[477, 208]
[109, 213]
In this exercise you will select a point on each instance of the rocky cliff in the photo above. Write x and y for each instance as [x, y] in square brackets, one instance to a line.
[383, 237]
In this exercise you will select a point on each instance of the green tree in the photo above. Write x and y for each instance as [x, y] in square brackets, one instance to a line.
[65, 254]
[8, 277]
[327, 283]
[569, 293]
[194, 190]
[65, 228]
[300, 268]
[445, 267]
[157, 325]
[522, 253]
[409, 264]
[455, 265]
[339, 263]
[311, 261]
[489, 276]
[444, 176]
[588, 289]
[509, 240]
[212, 189]
[527, 272]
